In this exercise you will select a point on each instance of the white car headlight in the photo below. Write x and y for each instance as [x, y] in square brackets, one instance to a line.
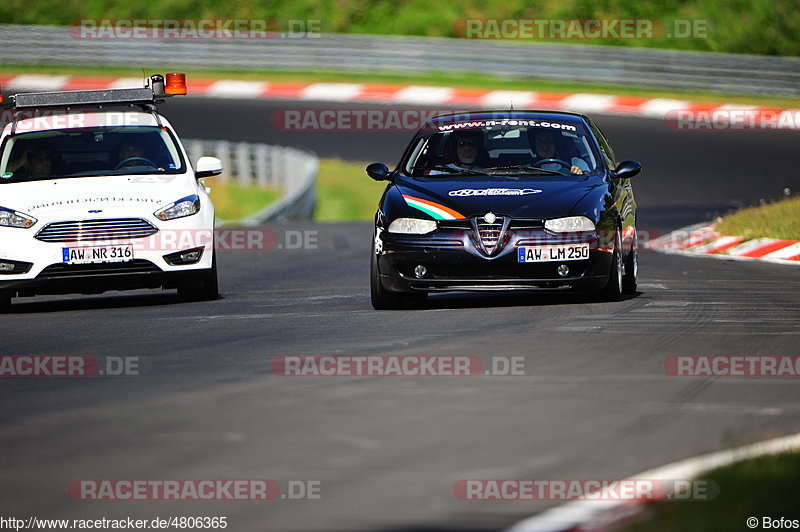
[11, 218]
[412, 226]
[570, 224]
[183, 207]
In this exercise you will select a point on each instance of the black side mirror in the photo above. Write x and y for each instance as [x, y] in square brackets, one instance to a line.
[378, 172]
[627, 169]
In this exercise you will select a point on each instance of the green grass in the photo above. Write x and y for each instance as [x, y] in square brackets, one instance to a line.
[233, 201]
[738, 26]
[345, 192]
[777, 220]
[763, 486]
[463, 80]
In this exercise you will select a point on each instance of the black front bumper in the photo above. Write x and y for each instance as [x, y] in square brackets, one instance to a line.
[453, 263]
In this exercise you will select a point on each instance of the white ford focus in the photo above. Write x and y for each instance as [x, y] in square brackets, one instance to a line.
[97, 193]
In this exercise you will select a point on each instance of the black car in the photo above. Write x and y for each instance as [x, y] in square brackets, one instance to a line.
[504, 200]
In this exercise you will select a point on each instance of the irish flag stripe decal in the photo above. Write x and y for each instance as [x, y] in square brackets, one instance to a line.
[438, 211]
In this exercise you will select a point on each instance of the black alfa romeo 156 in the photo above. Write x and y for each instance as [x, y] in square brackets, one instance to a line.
[504, 200]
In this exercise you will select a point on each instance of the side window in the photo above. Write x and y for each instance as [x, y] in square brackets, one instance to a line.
[605, 147]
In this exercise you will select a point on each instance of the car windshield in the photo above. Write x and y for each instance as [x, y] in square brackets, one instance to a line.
[507, 149]
[101, 151]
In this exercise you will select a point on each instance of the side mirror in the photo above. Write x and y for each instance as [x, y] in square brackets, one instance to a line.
[207, 166]
[378, 172]
[627, 169]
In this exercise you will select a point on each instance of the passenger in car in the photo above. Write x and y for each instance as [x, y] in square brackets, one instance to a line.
[37, 160]
[464, 151]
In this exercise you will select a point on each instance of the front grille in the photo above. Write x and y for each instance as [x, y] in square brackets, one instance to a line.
[56, 271]
[95, 230]
[490, 233]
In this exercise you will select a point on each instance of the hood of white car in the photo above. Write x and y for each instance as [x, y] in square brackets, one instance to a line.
[95, 196]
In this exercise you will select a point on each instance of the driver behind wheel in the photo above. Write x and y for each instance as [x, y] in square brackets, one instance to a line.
[133, 153]
[544, 143]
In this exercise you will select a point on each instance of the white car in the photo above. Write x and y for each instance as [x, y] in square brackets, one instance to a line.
[97, 193]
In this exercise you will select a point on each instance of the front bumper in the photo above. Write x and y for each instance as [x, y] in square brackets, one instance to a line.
[455, 261]
[39, 267]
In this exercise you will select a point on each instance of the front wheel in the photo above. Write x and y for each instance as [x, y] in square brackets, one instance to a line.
[5, 303]
[631, 272]
[613, 290]
[207, 290]
[382, 299]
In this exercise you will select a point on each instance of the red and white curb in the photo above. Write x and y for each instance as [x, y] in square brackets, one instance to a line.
[704, 240]
[394, 95]
[597, 516]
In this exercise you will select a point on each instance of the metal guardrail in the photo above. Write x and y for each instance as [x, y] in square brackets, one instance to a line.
[734, 73]
[292, 170]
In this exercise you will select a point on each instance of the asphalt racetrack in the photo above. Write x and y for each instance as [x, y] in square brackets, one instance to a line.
[595, 401]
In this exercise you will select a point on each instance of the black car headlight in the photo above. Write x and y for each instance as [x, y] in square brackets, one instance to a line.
[183, 207]
[412, 226]
[12, 218]
[570, 224]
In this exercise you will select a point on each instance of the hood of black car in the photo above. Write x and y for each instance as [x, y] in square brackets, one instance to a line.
[518, 197]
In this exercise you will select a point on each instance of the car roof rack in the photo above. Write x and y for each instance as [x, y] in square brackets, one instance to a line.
[155, 91]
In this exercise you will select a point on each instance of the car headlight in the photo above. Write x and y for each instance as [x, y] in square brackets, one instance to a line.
[570, 224]
[412, 226]
[12, 218]
[183, 207]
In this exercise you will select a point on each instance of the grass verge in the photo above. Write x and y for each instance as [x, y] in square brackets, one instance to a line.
[777, 220]
[457, 80]
[344, 192]
[760, 487]
[233, 201]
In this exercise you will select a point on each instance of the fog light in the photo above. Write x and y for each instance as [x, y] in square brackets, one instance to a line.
[563, 270]
[6, 267]
[420, 271]
[192, 256]
[187, 256]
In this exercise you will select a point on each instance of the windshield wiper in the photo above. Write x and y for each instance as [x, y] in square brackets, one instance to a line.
[528, 169]
[461, 171]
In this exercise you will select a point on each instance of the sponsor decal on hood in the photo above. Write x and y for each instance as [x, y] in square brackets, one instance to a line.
[98, 200]
[436, 210]
[493, 192]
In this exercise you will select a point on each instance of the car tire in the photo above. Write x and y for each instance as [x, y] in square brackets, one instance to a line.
[5, 303]
[208, 290]
[382, 299]
[631, 271]
[613, 289]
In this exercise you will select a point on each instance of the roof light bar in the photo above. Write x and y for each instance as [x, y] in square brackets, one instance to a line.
[153, 92]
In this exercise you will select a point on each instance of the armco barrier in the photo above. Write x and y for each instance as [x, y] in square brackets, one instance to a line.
[292, 170]
[668, 69]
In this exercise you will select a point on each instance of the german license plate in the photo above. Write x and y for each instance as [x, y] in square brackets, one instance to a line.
[553, 253]
[90, 254]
